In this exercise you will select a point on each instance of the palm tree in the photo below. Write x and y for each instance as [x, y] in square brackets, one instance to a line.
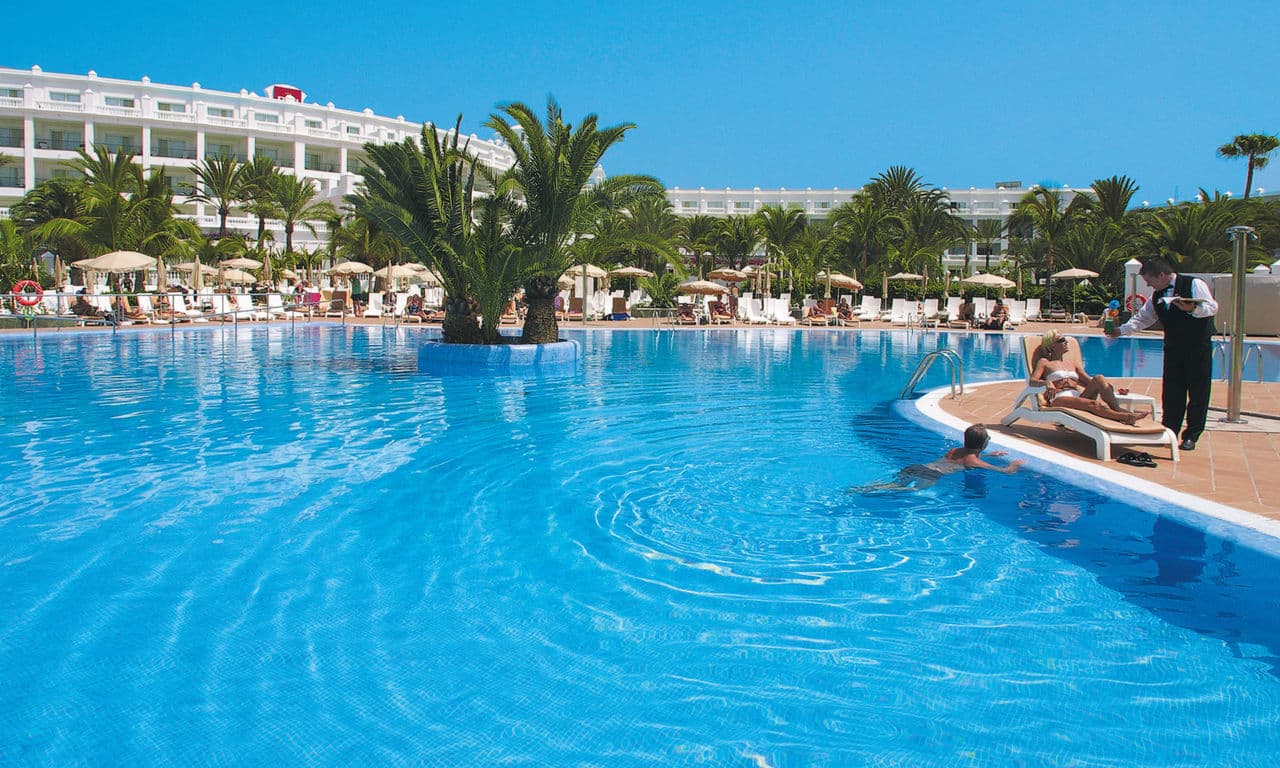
[221, 182]
[553, 163]
[862, 228]
[423, 195]
[53, 199]
[1042, 209]
[987, 234]
[1257, 147]
[779, 228]
[736, 238]
[295, 199]
[260, 179]
[697, 235]
[1192, 236]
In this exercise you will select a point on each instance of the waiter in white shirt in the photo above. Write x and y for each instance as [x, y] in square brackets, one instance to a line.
[1185, 307]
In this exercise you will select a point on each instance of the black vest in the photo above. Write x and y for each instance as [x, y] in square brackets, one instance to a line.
[1181, 330]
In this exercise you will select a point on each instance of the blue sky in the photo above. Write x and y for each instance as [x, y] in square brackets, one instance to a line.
[767, 94]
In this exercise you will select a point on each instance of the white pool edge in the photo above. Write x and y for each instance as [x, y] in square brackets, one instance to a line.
[1210, 516]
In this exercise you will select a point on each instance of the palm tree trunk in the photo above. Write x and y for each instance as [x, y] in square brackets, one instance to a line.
[1248, 179]
[540, 325]
[460, 325]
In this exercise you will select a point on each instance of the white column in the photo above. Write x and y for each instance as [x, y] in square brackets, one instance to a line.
[299, 157]
[28, 149]
[250, 148]
[342, 160]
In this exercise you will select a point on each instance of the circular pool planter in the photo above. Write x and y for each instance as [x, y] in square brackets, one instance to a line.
[533, 359]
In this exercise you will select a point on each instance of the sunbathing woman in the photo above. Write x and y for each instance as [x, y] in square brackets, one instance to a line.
[845, 312]
[918, 476]
[1068, 386]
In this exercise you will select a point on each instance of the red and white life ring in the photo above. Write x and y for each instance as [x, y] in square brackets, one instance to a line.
[1134, 302]
[27, 293]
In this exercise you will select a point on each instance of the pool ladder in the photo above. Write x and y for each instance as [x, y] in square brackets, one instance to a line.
[1220, 352]
[955, 366]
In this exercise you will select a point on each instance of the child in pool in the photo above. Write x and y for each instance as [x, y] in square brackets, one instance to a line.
[919, 476]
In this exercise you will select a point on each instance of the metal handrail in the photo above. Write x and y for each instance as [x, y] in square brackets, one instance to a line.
[955, 367]
[1252, 349]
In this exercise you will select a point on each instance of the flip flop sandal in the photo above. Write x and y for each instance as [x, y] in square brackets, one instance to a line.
[1146, 459]
[1135, 460]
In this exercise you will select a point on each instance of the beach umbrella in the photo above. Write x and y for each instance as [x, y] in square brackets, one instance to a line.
[839, 280]
[348, 269]
[731, 275]
[242, 262]
[987, 280]
[700, 287]
[236, 276]
[564, 283]
[1075, 273]
[630, 272]
[396, 272]
[906, 276]
[118, 261]
[288, 274]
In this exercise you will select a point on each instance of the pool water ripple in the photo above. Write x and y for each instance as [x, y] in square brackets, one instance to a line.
[284, 546]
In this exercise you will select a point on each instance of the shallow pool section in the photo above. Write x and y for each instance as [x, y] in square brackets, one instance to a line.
[291, 546]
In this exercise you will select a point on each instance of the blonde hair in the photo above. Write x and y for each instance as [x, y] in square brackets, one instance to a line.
[1048, 340]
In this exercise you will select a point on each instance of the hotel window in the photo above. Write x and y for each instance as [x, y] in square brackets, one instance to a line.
[10, 137]
[824, 205]
[741, 206]
[11, 93]
[65, 97]
[119, 101]
[169, 106]
[270, 153]
[220, 112]
[119, 143]
[217, 150]
[313, 124]
[353, 130]
[689, 205]
[266, 118]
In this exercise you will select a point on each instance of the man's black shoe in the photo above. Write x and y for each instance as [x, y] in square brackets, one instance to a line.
[1187, 445]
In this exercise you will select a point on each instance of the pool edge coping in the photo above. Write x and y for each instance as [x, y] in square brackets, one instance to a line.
[928, 412]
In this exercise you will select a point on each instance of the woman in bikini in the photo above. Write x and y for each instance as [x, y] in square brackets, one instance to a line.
[969, 456]
[1068, 386]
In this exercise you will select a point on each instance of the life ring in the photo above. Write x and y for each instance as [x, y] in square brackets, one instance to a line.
[25, 297]
[1134, 302]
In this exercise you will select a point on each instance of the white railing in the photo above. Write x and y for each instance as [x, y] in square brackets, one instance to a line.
[120, 111]
[229, 122]
[324, 133]
[176, 117]
[61, 106]
[10, 101]
[272, 127]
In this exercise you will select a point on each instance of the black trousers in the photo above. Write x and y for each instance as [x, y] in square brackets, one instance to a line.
[1188, 376]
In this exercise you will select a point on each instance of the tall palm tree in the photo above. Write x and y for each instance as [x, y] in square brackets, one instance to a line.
[986, 233]
[779, 228]
[1192, 236]
[53, 199]
[423, 194]
[261, 176]
[697, 235]
[221, 183]
[736, 239]
[1111, 197]
[862, 228]
[1042, 209]
[553, 163]
[295, 199]
[1257, 147]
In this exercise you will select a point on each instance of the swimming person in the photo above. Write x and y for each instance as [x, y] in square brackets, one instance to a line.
[919, 476]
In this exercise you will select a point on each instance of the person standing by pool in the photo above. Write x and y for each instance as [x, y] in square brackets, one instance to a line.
[918, 476]
[1186, 308]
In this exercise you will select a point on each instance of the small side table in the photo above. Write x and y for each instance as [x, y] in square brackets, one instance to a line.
[1130, 401]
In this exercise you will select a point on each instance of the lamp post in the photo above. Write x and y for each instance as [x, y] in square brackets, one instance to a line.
[1240, 236]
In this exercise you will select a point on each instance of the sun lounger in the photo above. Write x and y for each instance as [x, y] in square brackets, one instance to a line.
[375, 306]
[929, 316]
[1032, 406]
[1033, 309]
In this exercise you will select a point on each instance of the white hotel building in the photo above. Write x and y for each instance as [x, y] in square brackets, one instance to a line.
[45, 118]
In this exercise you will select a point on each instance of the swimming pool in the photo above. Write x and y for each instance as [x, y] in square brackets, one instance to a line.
[278, 546]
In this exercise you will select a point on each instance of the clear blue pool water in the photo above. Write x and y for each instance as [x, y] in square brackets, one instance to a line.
[287, 546]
